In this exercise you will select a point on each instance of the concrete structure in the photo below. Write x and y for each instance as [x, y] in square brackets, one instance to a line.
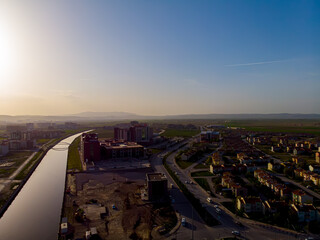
[209, 136]
[90, 147]
[157, 186]
[306, 212]
[140, 133]
[4, 148]
[112, 149]
[249, 204]
[318, 156]
[299, 196]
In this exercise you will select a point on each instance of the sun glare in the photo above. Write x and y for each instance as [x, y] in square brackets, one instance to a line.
[7, 54]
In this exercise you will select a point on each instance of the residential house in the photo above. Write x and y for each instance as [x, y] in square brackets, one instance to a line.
[238, 190]
[306, 212]
[314, 168]
[249, 204]
[272, 206]
[297, 160]
[318, 156]
[274, 166]
[299, 196]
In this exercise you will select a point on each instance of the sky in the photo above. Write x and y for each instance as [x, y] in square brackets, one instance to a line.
[159, 57]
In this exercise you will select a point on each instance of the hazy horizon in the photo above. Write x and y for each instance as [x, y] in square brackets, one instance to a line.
[159, 58]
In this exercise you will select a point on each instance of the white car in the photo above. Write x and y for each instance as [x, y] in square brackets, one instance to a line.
[236, 233]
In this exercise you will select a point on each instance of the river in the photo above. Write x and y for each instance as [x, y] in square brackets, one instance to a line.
[35, 212]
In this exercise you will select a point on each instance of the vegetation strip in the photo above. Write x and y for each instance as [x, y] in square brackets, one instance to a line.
[204, 214]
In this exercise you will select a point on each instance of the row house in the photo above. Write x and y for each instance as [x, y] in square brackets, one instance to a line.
[314, 168]
[318, 156]
[266, 179]
[273, 206]
[308, 176]
[227, 181]
[274, 166]
[249, 204]
[217, 159]
[300, 196]
[306, 212]
[297, 160]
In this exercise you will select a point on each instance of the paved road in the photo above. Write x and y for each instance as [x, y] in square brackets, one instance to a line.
[250, 229]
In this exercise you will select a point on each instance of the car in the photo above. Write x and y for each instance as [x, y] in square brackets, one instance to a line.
[239, 224]
[183, 222]
[186, 182]
[215, 206]
[236, 233]
[218, 210]
[209, 200]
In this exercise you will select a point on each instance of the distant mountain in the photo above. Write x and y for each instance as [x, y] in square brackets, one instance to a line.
[112, 116]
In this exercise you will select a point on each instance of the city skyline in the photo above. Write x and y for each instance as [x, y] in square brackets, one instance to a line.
[159, 58]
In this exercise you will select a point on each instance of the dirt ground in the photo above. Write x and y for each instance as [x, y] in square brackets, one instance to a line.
[95, 194]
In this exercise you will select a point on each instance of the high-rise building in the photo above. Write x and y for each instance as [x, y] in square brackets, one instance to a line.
[90, 147]
[140, 133]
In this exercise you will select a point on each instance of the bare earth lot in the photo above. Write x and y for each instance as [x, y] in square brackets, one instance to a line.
[94, 194]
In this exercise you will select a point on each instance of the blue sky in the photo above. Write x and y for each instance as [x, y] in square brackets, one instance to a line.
[160, 57]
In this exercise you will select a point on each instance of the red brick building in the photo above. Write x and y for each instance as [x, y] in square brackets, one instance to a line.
[140, 133]
[90, 147]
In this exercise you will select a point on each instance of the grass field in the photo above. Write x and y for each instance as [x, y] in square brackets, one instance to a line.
[74, 161]
[202, 166]
[104, 133]
[180, 133]
[184, 164]
[203, 183]
[43, 140]
[201, 174]
[281, 125]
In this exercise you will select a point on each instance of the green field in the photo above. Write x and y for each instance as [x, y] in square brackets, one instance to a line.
[74, 161]
[203, 183]
[281, 125]
[201, 174]
[180, 133]
[183, 164]
[202, 166]
[43, 140]
[104, 133]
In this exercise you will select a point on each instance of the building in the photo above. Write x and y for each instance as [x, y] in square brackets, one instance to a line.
[274, 166]
[209, 136]
[306, 212]
[157, 186]
[4, 148]
[314, 168]
[112, 149]
[249, 204]
[90, 147]
[273, 206]
[140, 133]
[299, 196]
[318, 156]
[217, 159]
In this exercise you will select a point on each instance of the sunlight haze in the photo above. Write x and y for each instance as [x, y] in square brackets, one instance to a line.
[159, 57]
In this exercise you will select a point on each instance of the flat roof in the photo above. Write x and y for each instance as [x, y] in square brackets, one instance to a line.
[155, 176]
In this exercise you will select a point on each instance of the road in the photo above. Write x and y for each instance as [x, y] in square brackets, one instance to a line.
[250, 229]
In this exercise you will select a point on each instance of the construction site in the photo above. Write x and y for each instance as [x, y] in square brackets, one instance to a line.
[114, 205]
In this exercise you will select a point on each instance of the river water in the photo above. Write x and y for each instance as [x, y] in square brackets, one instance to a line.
[35, 212]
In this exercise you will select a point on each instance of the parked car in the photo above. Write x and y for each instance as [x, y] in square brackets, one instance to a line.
[209, 200]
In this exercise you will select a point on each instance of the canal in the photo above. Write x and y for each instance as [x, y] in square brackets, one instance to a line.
[35, 212]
